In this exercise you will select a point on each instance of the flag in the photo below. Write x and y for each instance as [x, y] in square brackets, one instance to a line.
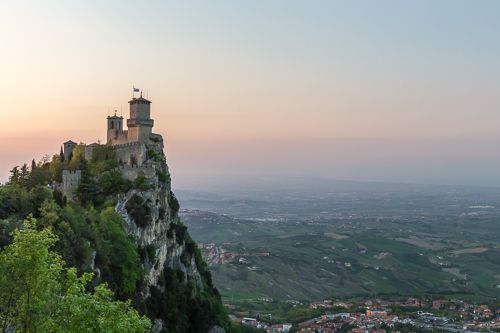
[136, 89]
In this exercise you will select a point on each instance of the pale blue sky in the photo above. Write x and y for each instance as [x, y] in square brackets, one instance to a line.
[362, 90]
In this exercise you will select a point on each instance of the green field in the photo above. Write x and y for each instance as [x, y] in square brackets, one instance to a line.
[389, 257]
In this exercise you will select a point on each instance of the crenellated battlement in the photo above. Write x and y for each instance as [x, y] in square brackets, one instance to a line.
[70, 172]
[134, 166]
[128, 144]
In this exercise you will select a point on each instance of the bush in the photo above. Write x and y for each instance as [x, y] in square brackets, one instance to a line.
[140, 183]
[138, 210]
[180, 231]
[58, 198]
[124, 263]
[181, 310]
[152, 154]
[174, 205]
[103, 158]
[109, 203]
[162, 176]
[113, 183]
[151, 251]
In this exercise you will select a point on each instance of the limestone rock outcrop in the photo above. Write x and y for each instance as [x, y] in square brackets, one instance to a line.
[168, 251]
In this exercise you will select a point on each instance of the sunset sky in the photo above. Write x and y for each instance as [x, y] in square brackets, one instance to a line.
[400, 91]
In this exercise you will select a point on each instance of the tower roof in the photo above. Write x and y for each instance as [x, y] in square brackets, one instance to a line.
[70, 142]
[115, 117]
[140, 99]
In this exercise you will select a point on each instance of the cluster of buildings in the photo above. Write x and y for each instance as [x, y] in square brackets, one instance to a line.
[379, 314]
[130, 145]
[338, 263]
[362, 322]
[219, 255]
[253, 322]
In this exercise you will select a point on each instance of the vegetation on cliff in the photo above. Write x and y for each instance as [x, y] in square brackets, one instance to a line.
[37, 294]
[88, 239]
[182, 305]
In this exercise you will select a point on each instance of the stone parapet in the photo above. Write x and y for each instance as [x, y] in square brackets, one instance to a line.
[131, 152]
[131, 171]
[128, 144]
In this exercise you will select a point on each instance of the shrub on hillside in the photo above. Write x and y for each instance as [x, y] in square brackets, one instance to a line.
[113, 183]
[140, 183]
[138, 209]
[162, 176]
[152, 154]
[174, 205]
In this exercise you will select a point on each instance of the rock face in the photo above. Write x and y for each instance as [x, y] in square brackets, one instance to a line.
[155, 235]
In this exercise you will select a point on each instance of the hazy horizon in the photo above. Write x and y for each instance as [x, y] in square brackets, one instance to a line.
[349, 90]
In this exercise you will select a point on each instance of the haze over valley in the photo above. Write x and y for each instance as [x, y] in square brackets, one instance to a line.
[292, 239]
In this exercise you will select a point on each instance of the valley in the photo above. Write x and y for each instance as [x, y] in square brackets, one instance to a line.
[312, 239]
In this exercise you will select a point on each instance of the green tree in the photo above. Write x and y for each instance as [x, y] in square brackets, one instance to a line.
[103, 158]
[24, 175]
[14, 176]
[86, 191]
[56, 168]
[38, 295]
[113, 183]
[124, 262]
[140, 181]
[76, 157]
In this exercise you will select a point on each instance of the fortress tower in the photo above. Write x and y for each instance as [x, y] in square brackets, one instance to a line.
[140, 124]
[115, 128]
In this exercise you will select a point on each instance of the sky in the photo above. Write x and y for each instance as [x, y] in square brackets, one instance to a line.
[391, 91]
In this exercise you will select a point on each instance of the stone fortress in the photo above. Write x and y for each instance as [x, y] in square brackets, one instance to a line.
[130, 145]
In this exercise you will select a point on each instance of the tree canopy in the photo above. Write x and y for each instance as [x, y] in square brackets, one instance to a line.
[37, 294]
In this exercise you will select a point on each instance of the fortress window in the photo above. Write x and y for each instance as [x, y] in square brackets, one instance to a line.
[112, 125]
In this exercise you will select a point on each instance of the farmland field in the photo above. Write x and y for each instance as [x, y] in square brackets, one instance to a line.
[349, 239]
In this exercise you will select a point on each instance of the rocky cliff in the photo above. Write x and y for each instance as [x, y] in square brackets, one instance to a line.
[167, 250]
[172, 280]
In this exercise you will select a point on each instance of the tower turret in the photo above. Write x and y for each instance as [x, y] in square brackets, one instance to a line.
[140, 124]
[115, 126]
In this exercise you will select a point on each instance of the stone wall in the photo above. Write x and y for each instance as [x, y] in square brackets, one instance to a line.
[131, 171]
[128, 151]
[118, 136]
[88, 150]
[71, 179]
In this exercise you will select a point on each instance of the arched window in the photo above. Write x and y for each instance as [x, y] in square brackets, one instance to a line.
[119, 125]
[112, 125]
